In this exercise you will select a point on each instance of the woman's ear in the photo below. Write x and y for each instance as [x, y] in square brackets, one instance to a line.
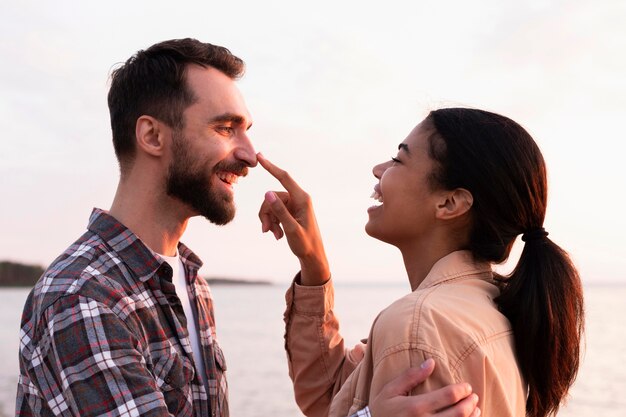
[149, 135]
[454, 204]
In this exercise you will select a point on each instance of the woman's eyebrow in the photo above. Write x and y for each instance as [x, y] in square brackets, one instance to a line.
[404, 147]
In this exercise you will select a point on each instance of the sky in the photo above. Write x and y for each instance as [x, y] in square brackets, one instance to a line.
[333, 87]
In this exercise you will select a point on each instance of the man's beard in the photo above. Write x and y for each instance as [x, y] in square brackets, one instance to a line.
[188, 182]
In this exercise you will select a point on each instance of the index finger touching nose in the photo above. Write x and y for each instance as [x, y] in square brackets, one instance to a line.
[280, 174]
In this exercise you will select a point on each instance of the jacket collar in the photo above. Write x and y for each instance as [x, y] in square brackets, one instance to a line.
[455, 265]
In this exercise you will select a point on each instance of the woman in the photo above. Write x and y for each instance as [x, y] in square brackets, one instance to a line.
[464, 185]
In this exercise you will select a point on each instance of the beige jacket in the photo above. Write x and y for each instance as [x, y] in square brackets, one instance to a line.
[451, 317]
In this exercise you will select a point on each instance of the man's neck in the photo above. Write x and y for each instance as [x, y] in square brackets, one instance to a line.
[156, 219]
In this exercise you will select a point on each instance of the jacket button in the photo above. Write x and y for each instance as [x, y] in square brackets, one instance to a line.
[167, 379]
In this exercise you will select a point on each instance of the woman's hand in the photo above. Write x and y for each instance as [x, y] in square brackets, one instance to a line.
[291, 214]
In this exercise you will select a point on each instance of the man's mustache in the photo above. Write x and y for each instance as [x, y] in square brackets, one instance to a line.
[237, 168]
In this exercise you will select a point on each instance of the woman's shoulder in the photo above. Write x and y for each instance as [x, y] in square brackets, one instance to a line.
[445, 301]
[429, 319]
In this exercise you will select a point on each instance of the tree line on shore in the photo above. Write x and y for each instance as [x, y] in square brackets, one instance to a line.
[15, 274]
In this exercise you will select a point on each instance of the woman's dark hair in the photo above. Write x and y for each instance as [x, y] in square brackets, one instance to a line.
[496, 160]
[153, 82]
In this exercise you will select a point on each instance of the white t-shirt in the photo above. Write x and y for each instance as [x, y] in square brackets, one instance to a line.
[180, 283]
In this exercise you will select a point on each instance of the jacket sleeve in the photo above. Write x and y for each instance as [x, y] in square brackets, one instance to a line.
[318, 361]
[402, 359]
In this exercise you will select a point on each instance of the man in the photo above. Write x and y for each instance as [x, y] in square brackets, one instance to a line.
[121, 324]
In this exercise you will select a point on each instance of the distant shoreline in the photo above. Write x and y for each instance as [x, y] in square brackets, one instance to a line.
[233, 281]
[210, 281]
[19, 275]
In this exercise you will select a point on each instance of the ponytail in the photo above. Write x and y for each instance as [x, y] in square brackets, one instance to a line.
[543, 300]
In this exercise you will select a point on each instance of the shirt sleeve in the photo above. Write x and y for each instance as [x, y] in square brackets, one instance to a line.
[318, 361]
[87, 362]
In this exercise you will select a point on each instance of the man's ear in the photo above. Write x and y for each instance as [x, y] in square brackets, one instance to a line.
[454, 204]
[149, 135]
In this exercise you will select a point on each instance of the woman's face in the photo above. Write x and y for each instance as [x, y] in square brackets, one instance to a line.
[408, 202]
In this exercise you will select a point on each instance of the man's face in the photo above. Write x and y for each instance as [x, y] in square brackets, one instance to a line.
[213, 149]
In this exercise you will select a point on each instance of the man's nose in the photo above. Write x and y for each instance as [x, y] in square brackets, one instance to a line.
[245, 151]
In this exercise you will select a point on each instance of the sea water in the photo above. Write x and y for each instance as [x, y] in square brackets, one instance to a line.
[250, 331]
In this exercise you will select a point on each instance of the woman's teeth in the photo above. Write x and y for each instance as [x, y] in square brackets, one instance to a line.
[376, 196]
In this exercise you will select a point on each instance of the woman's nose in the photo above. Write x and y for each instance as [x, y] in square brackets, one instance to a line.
[379, 169]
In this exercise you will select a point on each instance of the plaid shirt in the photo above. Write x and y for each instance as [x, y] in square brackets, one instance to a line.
[104, 334]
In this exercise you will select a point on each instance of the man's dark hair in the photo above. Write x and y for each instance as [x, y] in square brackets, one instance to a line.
[152, 82]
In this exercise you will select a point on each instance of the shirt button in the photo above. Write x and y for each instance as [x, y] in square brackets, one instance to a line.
[167, 380]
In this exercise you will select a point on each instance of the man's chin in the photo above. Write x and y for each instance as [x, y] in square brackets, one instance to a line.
[219, 217]
[218, 212]
[220, 221]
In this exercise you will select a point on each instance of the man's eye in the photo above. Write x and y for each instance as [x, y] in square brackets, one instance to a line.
[394, 159]
[224, 129]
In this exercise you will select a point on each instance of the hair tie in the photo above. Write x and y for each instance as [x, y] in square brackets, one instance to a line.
[535, 234]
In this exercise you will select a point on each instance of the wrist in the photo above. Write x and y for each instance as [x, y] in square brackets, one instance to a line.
[314, 271]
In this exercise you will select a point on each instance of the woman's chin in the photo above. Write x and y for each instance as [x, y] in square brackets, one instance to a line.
[372, 230]
[377, 232]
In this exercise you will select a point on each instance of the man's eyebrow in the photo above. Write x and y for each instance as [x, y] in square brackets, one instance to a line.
[230, 117]
[404, 147]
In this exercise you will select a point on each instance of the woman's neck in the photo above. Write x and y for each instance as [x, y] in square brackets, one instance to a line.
[419, 259]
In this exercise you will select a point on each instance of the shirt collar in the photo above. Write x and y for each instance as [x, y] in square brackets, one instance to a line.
[190, 259]
[453, 266]
[140, 259]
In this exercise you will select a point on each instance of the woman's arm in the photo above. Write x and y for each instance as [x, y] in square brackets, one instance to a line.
[319, 363]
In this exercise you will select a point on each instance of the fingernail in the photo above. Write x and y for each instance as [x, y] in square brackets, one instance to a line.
[474, 399]
[477, 412]
[260, 154]
[468, 389]
[270, 197]
[426, 363]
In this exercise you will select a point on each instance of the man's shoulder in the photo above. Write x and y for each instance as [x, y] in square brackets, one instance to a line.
[87, 267]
